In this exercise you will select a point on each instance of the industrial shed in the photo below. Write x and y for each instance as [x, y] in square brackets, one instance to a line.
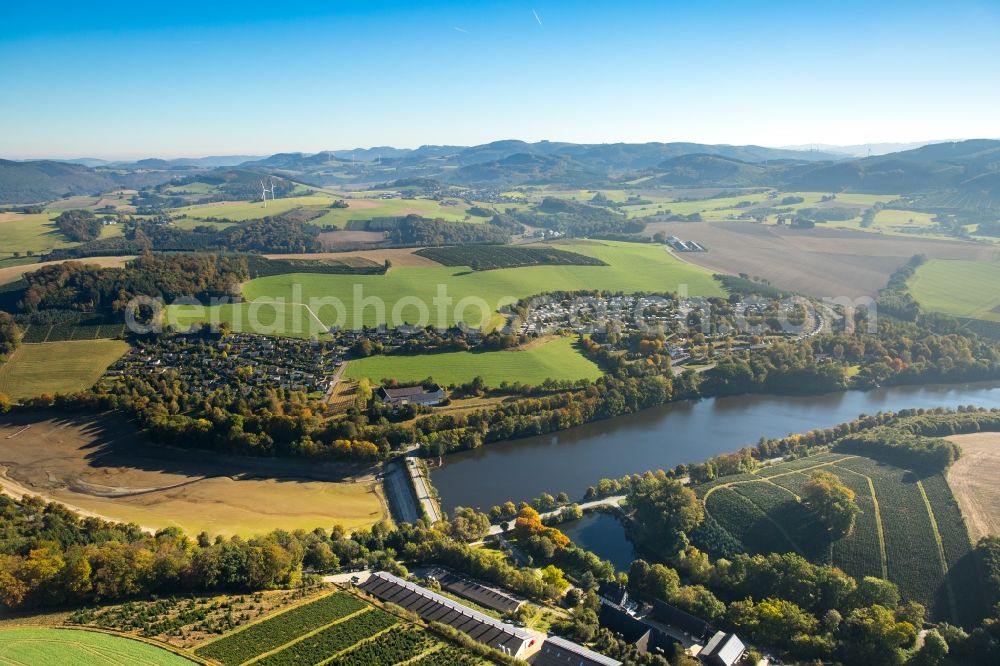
[487, 597]
[432, 607]
[557, 651]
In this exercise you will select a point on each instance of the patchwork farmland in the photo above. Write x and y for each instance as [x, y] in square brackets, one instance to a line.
[338, 629]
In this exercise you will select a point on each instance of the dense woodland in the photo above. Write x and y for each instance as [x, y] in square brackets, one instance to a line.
[52, 557]
[86, 287]
[414, 230]
[575, 219]
[482, 258]
[267, 235]
[79, 226]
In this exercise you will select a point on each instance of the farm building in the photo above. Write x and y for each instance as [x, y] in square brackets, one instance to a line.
[410, 395]
[613, 592]
[475, 592]
[432, 607]
[645, 637]
[557, 651]
[674, 617]
[723, 650]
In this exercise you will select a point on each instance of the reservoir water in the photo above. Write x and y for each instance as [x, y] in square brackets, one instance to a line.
[665, 436]
[604, 535]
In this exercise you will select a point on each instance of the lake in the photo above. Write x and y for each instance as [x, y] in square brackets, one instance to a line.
[665, 436]
[604, 535]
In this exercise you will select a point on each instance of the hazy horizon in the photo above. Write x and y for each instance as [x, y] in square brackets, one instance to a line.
[250, 155]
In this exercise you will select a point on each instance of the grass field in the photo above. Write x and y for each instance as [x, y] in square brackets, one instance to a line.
[100, 465]
[556, 359]
[244, 210]
[23, 232]
[359, 209]
[910, 529]
[374, 299]
[73, 646]
[57, 367]
[961, 288]
[364, 209]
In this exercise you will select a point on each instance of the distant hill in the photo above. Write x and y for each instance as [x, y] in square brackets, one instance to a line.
[962, 174]
[701, 170]
[964, 166]
[44, 180]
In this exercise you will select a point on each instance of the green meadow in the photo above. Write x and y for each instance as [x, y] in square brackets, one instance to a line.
[245, 210]
[36, 233]
[557, 359]
[960, 288]
[475, 295]
[360, 209]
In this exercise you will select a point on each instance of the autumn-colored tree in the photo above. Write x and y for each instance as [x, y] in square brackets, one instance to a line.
[832, 502]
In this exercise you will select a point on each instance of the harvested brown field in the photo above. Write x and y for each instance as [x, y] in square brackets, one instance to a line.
[350, 239]
[398, 256]
[817, 262]
[14, 273]
[973, 480]
[362, 204]
[102, 465]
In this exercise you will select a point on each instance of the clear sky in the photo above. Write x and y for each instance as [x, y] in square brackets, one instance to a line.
[110, 79]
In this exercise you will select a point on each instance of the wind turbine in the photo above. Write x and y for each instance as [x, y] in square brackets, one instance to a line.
[264, 190]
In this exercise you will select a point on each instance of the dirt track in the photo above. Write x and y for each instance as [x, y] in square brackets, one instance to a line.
[817, 262]
[973, 480]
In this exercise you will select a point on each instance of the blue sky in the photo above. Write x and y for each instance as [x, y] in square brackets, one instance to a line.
[126, 80]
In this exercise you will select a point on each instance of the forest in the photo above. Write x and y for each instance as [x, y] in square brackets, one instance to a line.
[267, 235]
[85, 287]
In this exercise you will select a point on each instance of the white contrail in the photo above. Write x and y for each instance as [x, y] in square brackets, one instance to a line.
[537, 18]
[462, 30]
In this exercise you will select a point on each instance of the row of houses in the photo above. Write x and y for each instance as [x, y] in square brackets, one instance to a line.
[252, 362]
[587, 313]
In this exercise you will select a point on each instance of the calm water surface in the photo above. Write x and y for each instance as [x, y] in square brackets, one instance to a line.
[665, 436]
[604, 535]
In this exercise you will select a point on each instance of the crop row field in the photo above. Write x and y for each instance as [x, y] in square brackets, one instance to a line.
[280, 629]
[57, 367]
[557, 359]
[820, 262]
[960, 288]
[910, 529]
[335, 629]
[439, 295]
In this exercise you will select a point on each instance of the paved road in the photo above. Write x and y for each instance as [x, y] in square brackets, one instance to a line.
[420, 485]
[613, 501]
[397, 486]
